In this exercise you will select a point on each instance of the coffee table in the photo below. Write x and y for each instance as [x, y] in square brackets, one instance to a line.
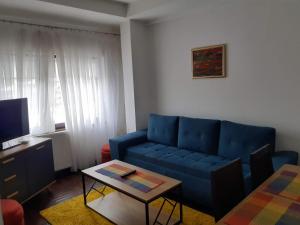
[128, 205]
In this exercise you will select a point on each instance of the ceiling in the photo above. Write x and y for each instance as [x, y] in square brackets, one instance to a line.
[127, 1]
[94, 13]
[154, 11]
[59, 13]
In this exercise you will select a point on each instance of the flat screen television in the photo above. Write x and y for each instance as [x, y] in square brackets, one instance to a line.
[14, 120]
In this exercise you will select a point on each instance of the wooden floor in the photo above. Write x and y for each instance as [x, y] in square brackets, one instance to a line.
[64, 188]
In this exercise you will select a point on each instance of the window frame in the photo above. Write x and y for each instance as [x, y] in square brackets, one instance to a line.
[60, 127]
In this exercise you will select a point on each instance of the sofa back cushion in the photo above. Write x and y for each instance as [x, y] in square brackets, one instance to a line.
[163, 129]
[239, 140]
[201, 135]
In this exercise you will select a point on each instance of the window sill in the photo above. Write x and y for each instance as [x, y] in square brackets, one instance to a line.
[59, 130]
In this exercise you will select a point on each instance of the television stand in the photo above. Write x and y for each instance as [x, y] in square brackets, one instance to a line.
[26, 169]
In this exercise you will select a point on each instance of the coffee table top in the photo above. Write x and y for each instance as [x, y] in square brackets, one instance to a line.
[169, 183]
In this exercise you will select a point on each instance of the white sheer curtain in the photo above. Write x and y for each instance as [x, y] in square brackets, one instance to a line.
[90, 73]
[27, 70]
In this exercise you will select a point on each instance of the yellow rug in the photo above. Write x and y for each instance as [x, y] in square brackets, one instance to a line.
[73, 212]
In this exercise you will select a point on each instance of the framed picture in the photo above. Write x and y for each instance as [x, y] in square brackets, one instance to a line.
[209, 61]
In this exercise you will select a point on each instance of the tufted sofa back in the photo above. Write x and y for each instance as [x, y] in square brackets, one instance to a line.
[200, 135]
[224, 138]
[239, 140]
[163, 129]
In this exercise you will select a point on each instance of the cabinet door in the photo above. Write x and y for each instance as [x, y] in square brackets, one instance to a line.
[40, 167]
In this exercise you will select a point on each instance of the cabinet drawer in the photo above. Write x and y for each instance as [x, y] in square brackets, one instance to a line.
[13, 177]
[11, 183]
[40, 147]
[16, 195]
[11, 165]
[15, 188]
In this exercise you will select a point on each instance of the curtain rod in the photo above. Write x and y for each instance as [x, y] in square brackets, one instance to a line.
[57, 27]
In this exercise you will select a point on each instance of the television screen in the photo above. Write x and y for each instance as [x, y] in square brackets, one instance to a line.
[13, 119]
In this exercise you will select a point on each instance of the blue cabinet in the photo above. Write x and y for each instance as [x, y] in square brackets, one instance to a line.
[27, 169]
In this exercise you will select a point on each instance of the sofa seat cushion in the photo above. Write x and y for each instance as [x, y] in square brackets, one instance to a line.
[247, 177]
[163, 129]
[239, 140]
[193, 163]
[201, 135]
[186, 161]
[149, 151]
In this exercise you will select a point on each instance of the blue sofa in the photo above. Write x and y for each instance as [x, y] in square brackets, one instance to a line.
[189, 149]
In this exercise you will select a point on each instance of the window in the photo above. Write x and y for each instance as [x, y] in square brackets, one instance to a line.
[30, 86]
[59, 110]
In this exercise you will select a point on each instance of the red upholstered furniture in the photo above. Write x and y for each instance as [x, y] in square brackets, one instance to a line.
[12, 212]
[105, 153]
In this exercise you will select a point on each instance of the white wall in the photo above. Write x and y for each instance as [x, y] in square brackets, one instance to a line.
[127, 63]
[263, 83]
[142, 70]
[138, 79]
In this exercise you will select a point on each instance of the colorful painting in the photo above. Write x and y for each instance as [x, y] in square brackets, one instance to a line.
[209, 61]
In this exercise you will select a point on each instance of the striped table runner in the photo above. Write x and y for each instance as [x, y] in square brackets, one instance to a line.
[141, 181]
[287, 185]
[263, 209]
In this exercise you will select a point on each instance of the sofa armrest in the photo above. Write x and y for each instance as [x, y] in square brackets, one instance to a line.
[119, 144]
[280, 158]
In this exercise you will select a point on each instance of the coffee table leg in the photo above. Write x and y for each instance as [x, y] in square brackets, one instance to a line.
[180, 204]
[83, 186]
[147, 214]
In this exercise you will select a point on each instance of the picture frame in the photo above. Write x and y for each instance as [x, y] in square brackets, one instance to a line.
[209, 61]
